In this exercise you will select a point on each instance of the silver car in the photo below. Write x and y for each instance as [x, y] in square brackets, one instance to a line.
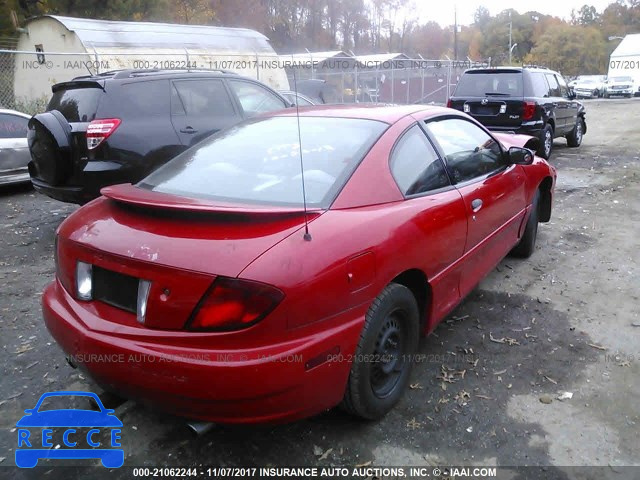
[14, 151]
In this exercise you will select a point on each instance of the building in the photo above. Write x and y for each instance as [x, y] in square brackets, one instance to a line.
[53, 49]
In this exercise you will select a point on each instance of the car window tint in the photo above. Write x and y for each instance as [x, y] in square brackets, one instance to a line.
[415, 165]
[206, 97]
[254, 98]
[148, 98]
[482, 83]
[554, 88]
[564, 90]
[76, 104]
[12, 126]
[258, 161]
[469, 151]
[539, 85]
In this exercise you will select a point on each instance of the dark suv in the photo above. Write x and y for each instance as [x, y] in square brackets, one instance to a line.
[119, 126]
[528, 100]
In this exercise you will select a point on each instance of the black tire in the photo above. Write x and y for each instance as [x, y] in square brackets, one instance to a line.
[382, 365]
[596, 93]
[606, 95]
[574, 139]
[546, 142]
[527, 244]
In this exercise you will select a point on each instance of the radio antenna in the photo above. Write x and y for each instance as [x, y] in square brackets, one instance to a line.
[307, 235]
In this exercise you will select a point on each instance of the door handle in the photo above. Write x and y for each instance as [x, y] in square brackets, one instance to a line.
[476, 205]
[188, 130]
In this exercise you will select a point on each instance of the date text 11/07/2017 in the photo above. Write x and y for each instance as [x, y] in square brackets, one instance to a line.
[318, 472]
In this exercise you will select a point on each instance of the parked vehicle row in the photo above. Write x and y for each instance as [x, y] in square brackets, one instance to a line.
[244, 241]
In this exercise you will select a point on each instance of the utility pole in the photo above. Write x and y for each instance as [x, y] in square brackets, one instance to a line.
[510, 32]
[455, 33]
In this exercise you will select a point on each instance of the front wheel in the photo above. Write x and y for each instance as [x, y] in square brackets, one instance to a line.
[546, 142]
[382, 364]
[574, 139]
[527, 244]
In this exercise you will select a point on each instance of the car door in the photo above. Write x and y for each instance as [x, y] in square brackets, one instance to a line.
[437, 213]
[493, 192]
[254, 98]
[570, 105]
[14, 151]
[559, 104]
[201, 107]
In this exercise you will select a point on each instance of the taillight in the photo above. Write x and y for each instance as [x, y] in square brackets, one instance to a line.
[64, 266]
[233, 304]
[528, 110]
[99, 130]
[449, 103]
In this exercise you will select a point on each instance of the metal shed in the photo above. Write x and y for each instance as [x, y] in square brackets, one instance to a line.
[625, 59]
[54, 49]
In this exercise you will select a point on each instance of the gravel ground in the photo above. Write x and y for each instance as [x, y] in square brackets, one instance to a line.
[566, 320]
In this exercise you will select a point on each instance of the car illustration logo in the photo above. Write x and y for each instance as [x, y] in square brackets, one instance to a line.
[78, 433]
[484, 101]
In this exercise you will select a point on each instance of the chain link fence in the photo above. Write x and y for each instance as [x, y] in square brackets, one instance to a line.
[26, 77]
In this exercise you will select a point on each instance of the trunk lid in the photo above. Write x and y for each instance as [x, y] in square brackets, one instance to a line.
[133, 234]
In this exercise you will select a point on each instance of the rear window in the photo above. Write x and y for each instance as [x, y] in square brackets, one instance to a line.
[76, 104]
[482, 84]
[258, 162]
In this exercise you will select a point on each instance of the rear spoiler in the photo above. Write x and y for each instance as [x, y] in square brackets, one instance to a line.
[77, 84]
[141, 197]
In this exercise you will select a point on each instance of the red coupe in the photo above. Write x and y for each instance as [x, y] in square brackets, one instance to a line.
[220, 289]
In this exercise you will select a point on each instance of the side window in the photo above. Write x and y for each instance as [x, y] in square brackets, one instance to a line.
[554, 88]
[539, 85]
[254, 98]
[201, 98]
[415, 166]
[12, 126]
[145, 98]
[564, 89]
[469, 151]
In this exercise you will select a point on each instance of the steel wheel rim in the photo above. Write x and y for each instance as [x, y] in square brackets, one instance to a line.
[547, 143]
[579, 131]
[388, 362]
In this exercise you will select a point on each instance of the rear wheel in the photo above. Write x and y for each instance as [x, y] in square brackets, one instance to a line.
[381, 367]
[546, 142]
[574, 139]
[527, 244]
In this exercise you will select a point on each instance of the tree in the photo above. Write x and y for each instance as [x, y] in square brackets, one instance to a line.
[572, 50]
[586, 15]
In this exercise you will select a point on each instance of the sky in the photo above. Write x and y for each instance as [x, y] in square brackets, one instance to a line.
[442, 12]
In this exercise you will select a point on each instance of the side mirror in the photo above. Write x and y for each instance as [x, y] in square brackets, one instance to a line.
[520, 156]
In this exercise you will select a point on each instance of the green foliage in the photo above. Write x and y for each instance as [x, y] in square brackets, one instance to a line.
[572, 50]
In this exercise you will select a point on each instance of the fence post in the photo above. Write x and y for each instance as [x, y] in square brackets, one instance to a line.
[448, 82]
[257, 65]
[408, 76]
[95, 55]
[393, 83]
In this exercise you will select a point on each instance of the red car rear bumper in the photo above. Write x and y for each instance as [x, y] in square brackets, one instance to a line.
[216, 385]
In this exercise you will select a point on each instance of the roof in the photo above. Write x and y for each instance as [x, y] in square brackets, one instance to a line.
[14, 112]
[380, 112]
[316, 57]
[380, 57]
[108, 33]
[629, 46]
